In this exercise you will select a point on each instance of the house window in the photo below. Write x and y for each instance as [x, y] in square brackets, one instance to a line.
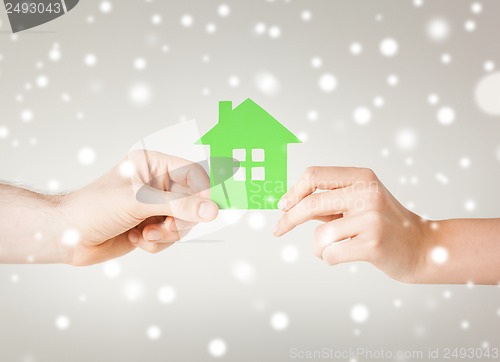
[251, 168]
[240, 154]
[240, 174]
[258, 155]
[258, 174]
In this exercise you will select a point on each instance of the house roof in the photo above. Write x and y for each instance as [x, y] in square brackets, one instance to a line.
[247, 122]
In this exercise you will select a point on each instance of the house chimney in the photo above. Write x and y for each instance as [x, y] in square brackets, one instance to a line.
[225, 109]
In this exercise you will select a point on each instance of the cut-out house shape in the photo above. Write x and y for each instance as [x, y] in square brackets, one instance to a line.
[248, 157]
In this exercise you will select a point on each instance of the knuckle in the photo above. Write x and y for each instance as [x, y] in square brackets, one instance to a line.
[311, 204]
[310, 173]
[373, 219]
[373, 247]
[329, 256]
[368, 174]
[182, 206]
[375, 198]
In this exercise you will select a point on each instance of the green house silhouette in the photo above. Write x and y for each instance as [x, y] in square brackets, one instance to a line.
[248, 157]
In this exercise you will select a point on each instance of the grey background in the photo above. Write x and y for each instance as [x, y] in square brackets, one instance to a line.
[211, 302]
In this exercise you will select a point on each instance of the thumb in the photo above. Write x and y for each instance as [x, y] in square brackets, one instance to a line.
[154, 202]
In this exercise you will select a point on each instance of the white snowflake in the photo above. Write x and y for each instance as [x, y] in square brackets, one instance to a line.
[66, 97]
[442, 178]
[464, 162]
[328, 82]
[356, 48]
[140, 94]
[233, 81]
[289, 254]
[167, 294]
[389, 47]
[139, 63]
[433, 99]
[211, 28]
[187, 20]
[62, 322]
[53, 185]
[360, 313]
[378, 101]
[446, 115]
[470, 205]
[446, 58]
[55, 53]
[362, 115]
[111, 269]
[470, 25]
[4, 132]
[476, 8]
[486, 94]
[392, 80]
[217, 348]
[489, 66]
[274, 32]
[105, 7]
[306, 15]
[256, 220]
[156, 19]
[42, 81]
[86, 156]
[224, 10]
[71, 237]
[127, 168]
[279, 321]
[243, 271]
[438, 29]
[312, 115]
[316, 62]
[153, 332]
[27, 115]
[90, 60]
[439, 255]
[133, 290]
[406, 139]
[267, 83]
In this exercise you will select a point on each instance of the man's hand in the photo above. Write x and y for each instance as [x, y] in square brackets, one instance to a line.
[362, 221]
[149, 200]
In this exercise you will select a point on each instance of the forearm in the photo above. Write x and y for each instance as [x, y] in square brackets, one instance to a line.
[473, 252]
[31, 226]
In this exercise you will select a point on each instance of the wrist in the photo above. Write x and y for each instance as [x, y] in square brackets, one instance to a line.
[65, 232]
[427, 242]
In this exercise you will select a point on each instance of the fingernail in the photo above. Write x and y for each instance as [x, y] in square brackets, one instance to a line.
[153, 235]
[275, 228]
[207, 211]
[133, 237]
[282, 204]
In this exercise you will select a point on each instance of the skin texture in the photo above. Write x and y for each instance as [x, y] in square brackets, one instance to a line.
[148, 201]
[362, 221]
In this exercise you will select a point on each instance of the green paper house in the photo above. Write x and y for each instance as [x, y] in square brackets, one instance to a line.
[248, 157]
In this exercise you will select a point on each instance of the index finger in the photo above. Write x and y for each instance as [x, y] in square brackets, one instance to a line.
[179, 170]
[319, 178]
[189, 174]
